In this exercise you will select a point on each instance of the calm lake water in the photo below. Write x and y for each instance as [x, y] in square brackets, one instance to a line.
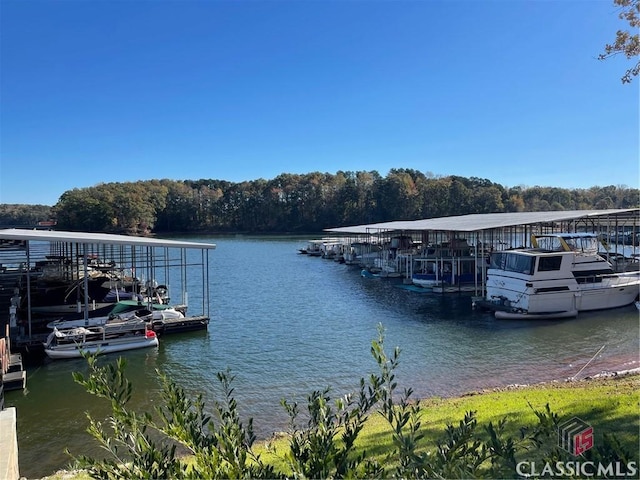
[287, 324]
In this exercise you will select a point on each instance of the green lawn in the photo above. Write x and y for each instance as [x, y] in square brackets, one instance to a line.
[609, 405]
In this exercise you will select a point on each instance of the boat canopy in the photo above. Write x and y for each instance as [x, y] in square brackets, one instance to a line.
[565, 242]
[124, 306]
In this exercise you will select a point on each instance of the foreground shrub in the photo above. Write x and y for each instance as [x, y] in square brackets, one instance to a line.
[321, 446]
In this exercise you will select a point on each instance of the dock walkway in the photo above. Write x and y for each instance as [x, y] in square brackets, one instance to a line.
[12, 377]
[9, 468]
[12, 373]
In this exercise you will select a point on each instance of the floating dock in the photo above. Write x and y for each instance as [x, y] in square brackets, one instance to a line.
[177, 325]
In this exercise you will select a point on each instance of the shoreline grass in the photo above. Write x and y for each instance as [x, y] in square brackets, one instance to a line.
[611, 405]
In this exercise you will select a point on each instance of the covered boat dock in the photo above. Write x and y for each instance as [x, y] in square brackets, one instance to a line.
[469, 239]
[28, 255]
[67, 258]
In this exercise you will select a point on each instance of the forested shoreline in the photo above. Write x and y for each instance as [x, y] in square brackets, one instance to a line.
[298, 203]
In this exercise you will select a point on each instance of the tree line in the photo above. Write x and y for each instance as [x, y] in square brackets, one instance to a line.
[298, 203]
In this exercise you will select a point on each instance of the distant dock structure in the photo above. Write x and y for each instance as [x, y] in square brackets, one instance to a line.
[451, 254]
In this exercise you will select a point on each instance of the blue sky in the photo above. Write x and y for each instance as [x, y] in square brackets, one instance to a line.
[118, 91]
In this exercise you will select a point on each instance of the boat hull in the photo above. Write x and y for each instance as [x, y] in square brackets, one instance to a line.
[504, 315]
[100, 347]
[425, 280]
[566, 297]
[368, 274]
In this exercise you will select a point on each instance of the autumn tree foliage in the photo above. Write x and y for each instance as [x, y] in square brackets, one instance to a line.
[626, 43]
[299, 203]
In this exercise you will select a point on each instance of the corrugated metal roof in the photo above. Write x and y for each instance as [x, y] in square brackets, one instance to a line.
[487, 221]
[96, 238]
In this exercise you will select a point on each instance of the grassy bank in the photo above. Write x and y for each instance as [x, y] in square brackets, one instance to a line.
[610, 405]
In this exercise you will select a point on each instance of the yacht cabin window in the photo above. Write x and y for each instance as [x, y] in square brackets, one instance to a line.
[513, 262]
[549, 264]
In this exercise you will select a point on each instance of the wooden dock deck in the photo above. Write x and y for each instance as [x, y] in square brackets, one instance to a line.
[176, 325]
[12, 373]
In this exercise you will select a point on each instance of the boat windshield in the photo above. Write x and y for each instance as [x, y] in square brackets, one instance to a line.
[513, 262]
[568, 242]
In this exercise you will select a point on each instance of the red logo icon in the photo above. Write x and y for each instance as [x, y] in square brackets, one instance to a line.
[575, 436]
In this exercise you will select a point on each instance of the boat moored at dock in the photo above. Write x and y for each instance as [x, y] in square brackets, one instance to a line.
[73, 342]
[121, 311]
[562, 275]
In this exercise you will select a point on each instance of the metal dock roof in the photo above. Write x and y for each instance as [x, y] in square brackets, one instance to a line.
[96, 238]
[488, 221]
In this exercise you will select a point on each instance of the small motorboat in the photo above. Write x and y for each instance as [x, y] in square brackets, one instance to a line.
[123, 310]
[119, 337]
[367, 274]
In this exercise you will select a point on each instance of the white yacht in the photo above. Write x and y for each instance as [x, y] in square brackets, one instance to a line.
[562, 274]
